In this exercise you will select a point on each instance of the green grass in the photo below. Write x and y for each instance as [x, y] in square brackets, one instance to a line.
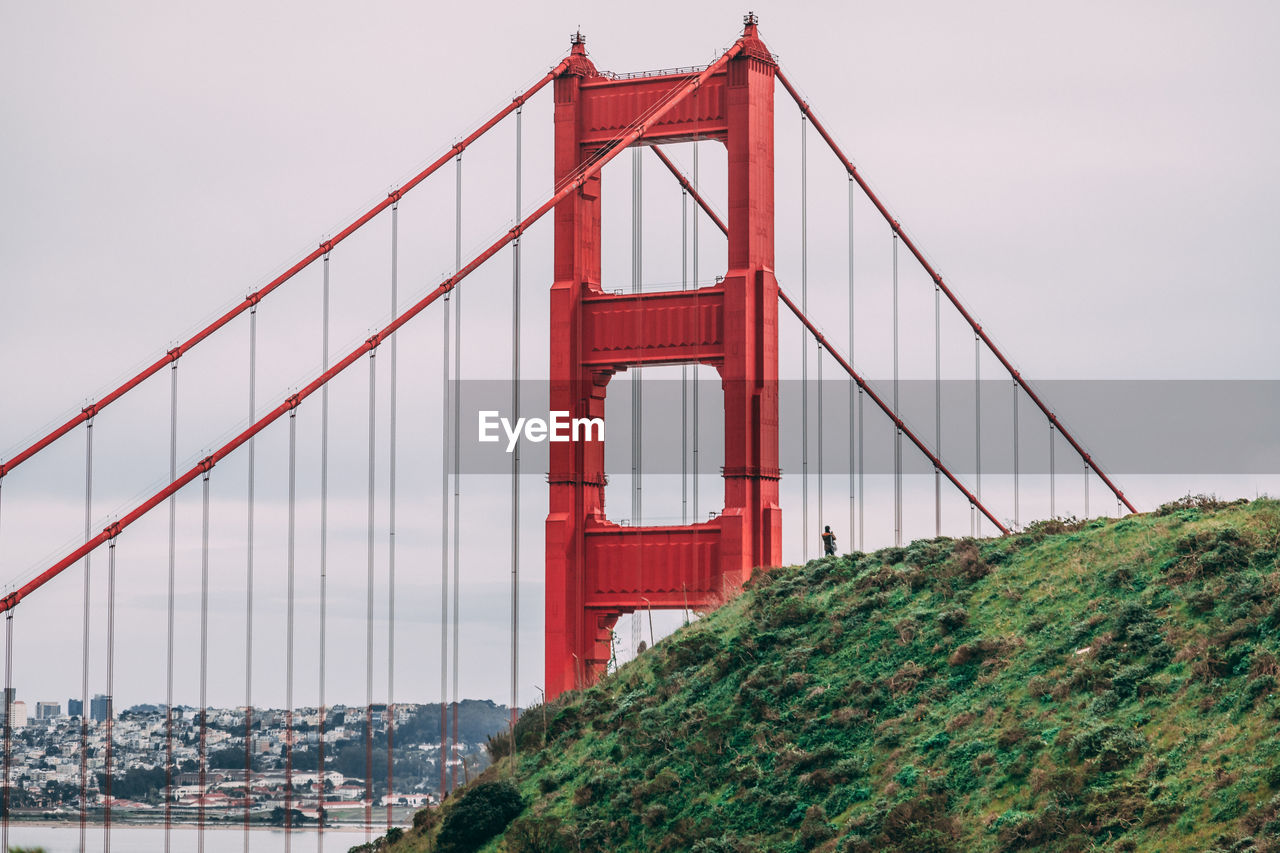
[1100, 685]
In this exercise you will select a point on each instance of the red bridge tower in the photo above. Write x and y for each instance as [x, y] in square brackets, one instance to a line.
[598, 570]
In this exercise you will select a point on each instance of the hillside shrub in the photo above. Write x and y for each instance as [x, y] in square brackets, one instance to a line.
[481, 812]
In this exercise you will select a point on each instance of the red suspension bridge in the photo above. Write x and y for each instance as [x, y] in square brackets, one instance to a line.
[596, 569]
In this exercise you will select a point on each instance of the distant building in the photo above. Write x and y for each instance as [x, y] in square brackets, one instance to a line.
[19, 711]
[75, 708]
[100, 708]
[48, 710]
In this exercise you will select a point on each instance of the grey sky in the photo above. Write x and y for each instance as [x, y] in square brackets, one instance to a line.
[1097, 182]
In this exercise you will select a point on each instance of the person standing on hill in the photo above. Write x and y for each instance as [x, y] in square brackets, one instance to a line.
[828, 541]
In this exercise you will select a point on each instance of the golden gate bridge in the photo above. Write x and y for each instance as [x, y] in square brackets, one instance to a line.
[597, 570]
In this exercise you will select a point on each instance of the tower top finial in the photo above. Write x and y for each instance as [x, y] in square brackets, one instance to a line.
[577, 38]
[749, 22]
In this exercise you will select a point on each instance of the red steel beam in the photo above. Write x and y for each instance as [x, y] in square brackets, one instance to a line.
[937, 278]
[254, 298]
[875, 398]
[678, 94]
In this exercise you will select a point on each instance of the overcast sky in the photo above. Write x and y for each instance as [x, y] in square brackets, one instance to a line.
[1097, 183]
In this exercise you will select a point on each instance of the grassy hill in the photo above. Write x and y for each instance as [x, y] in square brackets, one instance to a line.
[1100, 685]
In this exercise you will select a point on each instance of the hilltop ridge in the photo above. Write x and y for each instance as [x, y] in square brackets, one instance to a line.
[1083, 685]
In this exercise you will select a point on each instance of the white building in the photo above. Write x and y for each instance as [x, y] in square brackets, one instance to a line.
[19, 709]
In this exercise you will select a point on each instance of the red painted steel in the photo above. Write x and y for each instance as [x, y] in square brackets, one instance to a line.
[571, 185]
[674, 327]
[821, 339]
[597, 570]
[256, 297]
[942, 285]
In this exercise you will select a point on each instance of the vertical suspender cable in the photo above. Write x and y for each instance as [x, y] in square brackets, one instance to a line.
[457, 477]
[862, 483]
[391, 523]
[204, 661]
[937, 407]
[804, 344]
[444, 536]
[1053, 507]
[684, 368]
[852, 383]
[8, 723]
[637, 286]
[977, 430]
[4, 797]
[1086, 489]
[637, 398]
[368, 617]
[324, 541]
[897, 410]
[1015, 455]
[693, 402]
[515, 456]
[173, 544]
[84, 652]
[288, 629]
[821, 518]
[248, 573]
[108, 768]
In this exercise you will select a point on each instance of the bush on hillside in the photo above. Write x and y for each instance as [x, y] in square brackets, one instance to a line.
[481, 812]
